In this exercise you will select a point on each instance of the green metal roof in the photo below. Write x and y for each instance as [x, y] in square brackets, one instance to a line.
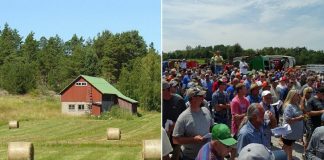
[106, 88]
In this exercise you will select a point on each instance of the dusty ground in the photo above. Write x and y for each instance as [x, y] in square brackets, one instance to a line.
[298, 148]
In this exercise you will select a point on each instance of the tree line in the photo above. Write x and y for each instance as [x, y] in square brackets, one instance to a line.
[123, 59]
[302, 54]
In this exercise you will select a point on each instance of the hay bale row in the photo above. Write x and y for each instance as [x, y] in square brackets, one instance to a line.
[13, 124]
[152, 149]
[113, 134]
[20, 151]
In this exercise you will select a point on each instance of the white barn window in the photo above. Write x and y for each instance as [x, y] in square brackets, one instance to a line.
[71, 107]
[81, 106]
[81, 83]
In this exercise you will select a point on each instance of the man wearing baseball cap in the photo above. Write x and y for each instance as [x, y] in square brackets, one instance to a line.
[192, 125]
[172, 106]
[271, 116]
[220, 145]
[255, 151]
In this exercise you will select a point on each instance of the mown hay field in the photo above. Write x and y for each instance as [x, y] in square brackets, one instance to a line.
[57, 136]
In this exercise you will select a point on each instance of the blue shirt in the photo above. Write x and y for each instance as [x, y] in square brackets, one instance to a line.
[209, 86]
[248, 134]
[247, 84]
[186, 79]
[230, 90]
[251, 99]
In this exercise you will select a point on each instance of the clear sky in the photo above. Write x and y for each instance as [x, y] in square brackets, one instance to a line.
[251, 23]
[85, 18]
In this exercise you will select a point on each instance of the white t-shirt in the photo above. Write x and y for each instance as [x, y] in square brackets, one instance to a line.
[243, 67]
[183, 65]
[166, 146]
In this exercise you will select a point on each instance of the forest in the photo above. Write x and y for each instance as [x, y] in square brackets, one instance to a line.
[302, 54]
[36, 66]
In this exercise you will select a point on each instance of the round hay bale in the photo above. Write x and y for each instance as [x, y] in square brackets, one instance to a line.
[113, 134]
[13, 124]
[20, 151]
[152, 149]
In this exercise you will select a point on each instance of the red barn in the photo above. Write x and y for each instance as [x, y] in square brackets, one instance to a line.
[93, 95]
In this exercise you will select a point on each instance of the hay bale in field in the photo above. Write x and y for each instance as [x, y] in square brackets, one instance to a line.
[152, 149]
[113, 134]
[20, 151]
[13, 124]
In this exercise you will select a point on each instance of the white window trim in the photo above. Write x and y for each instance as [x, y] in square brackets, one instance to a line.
[71, 109]
[81, 107]
[81, 84]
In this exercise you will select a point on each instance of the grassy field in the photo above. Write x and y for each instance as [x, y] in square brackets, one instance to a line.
[61, 137]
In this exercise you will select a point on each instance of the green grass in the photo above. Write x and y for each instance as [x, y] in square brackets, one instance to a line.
[57, 136]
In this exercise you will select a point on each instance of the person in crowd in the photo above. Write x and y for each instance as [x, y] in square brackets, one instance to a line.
[310, 82]
[174, 86]
[315, 149]
[186, 79]
[293, 116]
[239, 106]
[215, 83]
[314, 109]
[248, 81]
[256, 151]
[271, 118]
[282, 88]
[208, 84]
[218, 62]
[183, 64]
[173, 74]
[231, 88]
[303, 104]
[243, 67]
[254, 96]
[295, 84]
[221, 104]
[166, 146]
[274, 93]
[173, 106]
[252, 130]
[220, 145]
[192, 125]
[266, 86]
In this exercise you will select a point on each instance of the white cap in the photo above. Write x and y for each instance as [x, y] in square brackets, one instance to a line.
[264, 93]
[259, 83]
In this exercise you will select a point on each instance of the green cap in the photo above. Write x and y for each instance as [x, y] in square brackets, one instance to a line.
[222, 133]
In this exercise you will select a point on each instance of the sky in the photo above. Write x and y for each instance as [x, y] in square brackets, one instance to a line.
[84, 18]
[251, 23]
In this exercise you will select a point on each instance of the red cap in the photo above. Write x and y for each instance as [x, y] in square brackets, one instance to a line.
[265, 84]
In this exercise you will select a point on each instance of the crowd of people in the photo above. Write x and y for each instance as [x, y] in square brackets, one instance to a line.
[219, 112]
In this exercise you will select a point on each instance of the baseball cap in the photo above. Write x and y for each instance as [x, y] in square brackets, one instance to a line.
[254, 86]
[265, 84]
[165, 84]
[264, 93]
[255, 151]
[283, 78]
[195, 91]
[222, 133]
